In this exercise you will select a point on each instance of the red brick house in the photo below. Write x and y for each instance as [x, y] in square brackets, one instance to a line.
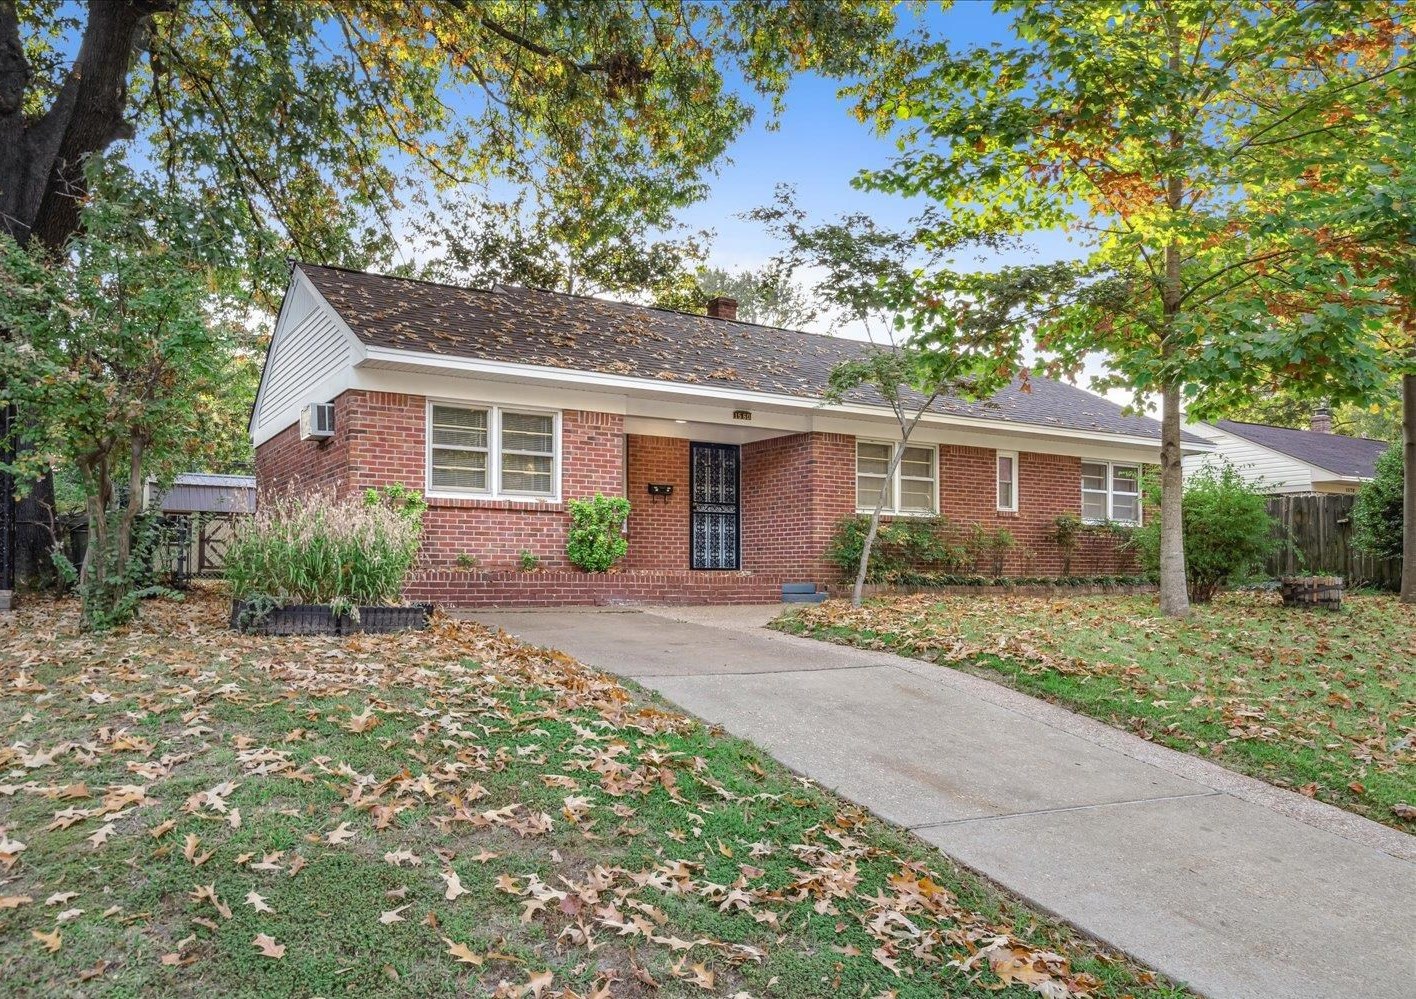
[503, 404]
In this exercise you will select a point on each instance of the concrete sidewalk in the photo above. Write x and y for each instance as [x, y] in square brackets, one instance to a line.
[1218, 880]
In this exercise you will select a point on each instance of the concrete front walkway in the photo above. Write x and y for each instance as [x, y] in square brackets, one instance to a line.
[1217, 880]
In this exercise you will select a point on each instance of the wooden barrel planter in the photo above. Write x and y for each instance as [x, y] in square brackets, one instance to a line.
[1312, 591]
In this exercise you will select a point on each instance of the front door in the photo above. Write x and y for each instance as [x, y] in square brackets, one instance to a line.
[713, 506]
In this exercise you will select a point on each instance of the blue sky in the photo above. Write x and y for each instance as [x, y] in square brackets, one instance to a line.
[819, 147]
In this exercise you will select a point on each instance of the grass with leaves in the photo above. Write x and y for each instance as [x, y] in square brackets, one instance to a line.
[1319, 701]
[448, 813]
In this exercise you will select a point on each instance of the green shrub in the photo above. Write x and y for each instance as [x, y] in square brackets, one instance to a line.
[530, 561]
[992, 545]
[466, 560]
[1376, 516]
[313, 549]
[1228, 530]
[1067, 531]
[596, 539]
[912, 544]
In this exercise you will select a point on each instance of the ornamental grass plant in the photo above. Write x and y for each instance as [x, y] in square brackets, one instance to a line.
[317, 549]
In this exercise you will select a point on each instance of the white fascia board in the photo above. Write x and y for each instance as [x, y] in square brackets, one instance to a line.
[742, 398]
[501, 391]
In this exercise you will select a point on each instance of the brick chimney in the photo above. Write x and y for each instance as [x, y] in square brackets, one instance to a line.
[722, 307]
[1322, 420]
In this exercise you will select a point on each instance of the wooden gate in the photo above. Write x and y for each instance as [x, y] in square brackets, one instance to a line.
[1316, 529]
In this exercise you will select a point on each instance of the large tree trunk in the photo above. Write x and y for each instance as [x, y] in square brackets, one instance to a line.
[1408, 504]
[42, 179]
[1174, 589]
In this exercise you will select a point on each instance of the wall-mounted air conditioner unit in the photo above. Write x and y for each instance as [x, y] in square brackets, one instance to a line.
[317, 421]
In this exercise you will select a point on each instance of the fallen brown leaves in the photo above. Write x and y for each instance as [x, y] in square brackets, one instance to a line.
[483, 709]
[1272, 681]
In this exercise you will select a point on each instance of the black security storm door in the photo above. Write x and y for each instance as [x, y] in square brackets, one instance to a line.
[713, 506]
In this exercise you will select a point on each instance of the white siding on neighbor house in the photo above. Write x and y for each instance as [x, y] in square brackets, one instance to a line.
[1277, 473]
[310, 347]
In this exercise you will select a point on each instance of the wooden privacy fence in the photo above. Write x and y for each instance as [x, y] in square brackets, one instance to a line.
[1317, 529]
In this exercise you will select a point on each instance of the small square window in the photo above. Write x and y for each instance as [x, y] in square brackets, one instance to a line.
[1111, 492]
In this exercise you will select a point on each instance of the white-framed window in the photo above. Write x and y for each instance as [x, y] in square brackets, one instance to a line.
[914, 487]
[1111, 491]
[492, 451]
[1008, 481]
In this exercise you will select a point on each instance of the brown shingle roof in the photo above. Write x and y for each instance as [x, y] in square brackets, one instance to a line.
[548, 329]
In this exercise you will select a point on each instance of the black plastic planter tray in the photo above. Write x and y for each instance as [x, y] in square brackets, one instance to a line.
[319, 619]
[380, 620]
[297, 619]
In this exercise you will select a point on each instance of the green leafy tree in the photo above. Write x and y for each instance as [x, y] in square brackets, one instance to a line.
[116, 350]
[300, 127]
[934, 332]
[578, 247]
[1361, 191]
[1379, 419]
[1228, 530]
[1377, 518]
[1159, 135]
[1378, 209]
[764, 295]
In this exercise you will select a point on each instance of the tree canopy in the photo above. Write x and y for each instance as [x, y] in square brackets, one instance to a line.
[117, 352]
[306, 127]
[575, 245]
[1159, 135]
[301, 124]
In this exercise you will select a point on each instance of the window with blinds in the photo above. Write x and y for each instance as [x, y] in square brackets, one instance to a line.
[459, 441]
[913, 487]
[491, 451]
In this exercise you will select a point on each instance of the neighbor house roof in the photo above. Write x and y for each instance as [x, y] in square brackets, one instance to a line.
[528, 326]
[1354, 457]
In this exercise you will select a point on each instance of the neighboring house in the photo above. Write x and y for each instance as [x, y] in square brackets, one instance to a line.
[1283, 460]
[503, 404]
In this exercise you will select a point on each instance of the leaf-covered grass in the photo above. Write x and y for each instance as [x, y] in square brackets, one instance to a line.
[1319, 701]
[183, 809]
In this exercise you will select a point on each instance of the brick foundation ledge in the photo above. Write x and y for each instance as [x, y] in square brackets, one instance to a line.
[456, 588]
[844, 590]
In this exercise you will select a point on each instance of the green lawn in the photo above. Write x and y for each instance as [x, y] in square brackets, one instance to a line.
[1319, 701]
[447, 813]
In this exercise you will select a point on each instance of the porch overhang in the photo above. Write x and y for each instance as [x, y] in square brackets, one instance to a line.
[707, 411]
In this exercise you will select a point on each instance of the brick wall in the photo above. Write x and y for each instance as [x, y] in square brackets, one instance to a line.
[1049, 485]
[658, 526]
[285, 463]
[555, 588]
[795, 489]
[380, 439]
[497, 531]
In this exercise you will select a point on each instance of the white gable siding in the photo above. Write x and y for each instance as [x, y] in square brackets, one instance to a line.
[1278, 473]
[310, 352]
